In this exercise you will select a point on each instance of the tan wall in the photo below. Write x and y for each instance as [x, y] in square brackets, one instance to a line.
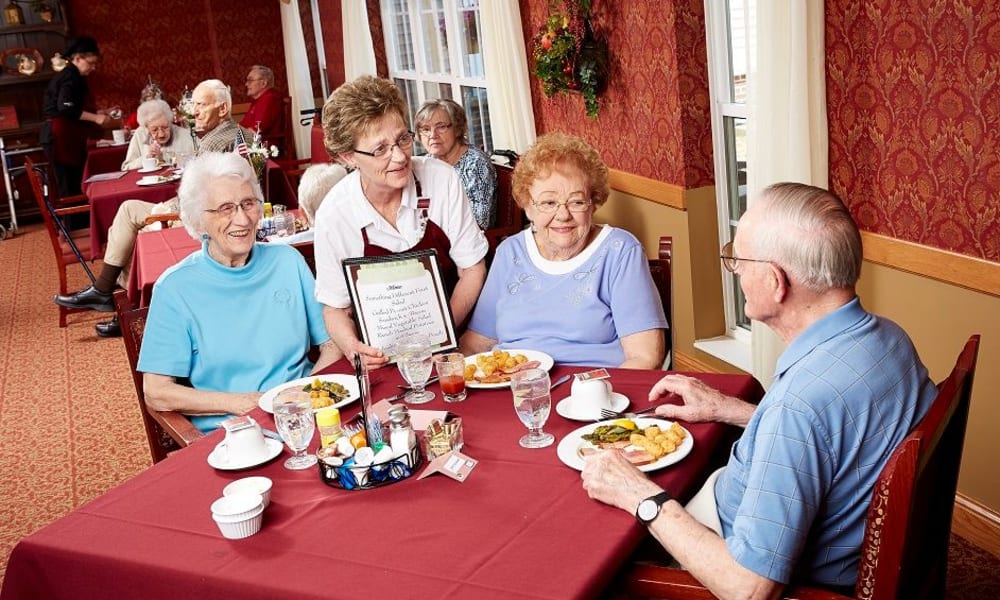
[938, 316]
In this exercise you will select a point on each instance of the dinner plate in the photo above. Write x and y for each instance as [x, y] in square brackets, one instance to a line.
[619, 402]
[158, 180]
[145, 170]
[266, 401]
[545, 360]
[570, 446]
[219, 458]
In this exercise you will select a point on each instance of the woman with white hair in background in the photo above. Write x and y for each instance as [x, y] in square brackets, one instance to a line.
[315, 184]
[236, 318]
[156, 134]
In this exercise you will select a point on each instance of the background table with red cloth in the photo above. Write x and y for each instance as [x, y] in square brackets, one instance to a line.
[106, 196]
[154, 252]
[521, 526]
[104, 158]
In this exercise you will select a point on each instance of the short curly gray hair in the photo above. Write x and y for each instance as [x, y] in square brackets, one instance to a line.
[196, 185]
[454, 111]
[354, 107]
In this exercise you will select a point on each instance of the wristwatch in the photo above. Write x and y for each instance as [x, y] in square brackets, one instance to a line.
[649, 508]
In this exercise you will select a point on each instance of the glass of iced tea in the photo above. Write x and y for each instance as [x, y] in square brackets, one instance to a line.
[451, 374]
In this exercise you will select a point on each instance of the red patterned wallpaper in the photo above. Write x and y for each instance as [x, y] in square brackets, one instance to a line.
[654, 118]
[913, 94]
[178, 43]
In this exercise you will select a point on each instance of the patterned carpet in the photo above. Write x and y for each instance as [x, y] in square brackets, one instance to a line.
[70, 421]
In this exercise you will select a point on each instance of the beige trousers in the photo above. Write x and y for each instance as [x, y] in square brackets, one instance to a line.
[703, 507]
[129, 220]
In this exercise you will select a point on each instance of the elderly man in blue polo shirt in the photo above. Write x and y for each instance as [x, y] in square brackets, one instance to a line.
[792, 500]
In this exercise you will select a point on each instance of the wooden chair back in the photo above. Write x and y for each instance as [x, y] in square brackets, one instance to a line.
[904, 552]
[661, 270]
[166, 431]
[70, 246]
[510, 217]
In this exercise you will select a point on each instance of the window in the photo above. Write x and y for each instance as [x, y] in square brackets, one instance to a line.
[731, 50]
[433, 52]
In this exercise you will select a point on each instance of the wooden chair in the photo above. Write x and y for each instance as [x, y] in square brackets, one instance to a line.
[510, 217]
[70, 246]
[166, 431]
[661, 270]
[904, 552]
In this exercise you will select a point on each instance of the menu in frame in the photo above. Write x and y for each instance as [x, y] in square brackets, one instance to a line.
[400, 295]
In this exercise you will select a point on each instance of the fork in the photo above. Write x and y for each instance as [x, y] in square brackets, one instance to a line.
[607, 413]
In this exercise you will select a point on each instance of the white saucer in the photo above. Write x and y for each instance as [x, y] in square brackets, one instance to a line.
[218, 458]
[619, 402]
[145, 170]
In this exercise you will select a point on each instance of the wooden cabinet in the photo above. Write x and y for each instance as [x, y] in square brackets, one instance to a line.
[21, 97]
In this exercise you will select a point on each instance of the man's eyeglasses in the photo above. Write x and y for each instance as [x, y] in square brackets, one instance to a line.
[573, 205]
[435, 130]
[250, 206]
[730, 261]
[405, 142]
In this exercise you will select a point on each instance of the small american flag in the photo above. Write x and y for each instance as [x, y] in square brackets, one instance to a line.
[241, 143]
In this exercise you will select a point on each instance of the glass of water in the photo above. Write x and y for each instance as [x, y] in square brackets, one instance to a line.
[532, 402]
[414, 359]
[293, 416]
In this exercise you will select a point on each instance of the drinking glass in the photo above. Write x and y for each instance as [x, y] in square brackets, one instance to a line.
[451, 374]
[414, 359]
[293, 415]
[532, 402]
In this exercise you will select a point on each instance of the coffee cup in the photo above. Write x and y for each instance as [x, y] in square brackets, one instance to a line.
[118, 135]
[590, 396]
[244, 441]
[149, 163]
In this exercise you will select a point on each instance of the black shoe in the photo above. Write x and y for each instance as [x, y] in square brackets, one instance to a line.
[88, 298]
[109, 328]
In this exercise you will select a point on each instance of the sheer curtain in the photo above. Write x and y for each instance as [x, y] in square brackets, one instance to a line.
[787, 138]
[512, 118]
[359, 50]
[299, 76]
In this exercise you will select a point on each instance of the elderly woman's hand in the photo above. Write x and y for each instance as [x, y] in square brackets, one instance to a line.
[154, 151]
[701, 402]
[244, 403]
[609, 477]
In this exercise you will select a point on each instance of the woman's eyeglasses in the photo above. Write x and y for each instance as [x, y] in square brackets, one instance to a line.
[438, 129]
[250, 206]
[405, 142]
[573, 205]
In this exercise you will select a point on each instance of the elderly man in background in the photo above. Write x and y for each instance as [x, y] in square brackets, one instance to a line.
[217, 133]
[157, 134]
[265, 113]
[791, 502]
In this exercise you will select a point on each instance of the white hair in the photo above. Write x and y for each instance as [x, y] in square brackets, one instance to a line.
[316, 183]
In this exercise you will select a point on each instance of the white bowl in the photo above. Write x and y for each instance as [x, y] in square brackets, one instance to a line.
[237, 506]
[250, 485]
[237, 529]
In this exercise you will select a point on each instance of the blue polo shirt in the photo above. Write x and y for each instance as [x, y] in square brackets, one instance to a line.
[795, 493]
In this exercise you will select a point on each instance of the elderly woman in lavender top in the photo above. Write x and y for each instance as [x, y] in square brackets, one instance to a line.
[444, 132]
[579, 291]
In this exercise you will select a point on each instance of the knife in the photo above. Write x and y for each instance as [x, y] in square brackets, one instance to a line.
[560, 381]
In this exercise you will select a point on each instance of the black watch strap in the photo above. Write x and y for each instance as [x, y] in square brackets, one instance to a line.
[649, 509]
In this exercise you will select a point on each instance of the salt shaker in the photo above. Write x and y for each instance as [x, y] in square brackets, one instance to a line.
[401, 436]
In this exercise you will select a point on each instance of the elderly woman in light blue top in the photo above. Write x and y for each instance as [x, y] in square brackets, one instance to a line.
[236, 318]
[579, 291]
[156, 135]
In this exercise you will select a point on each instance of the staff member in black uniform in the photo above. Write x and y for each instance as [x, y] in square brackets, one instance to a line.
[65, 131]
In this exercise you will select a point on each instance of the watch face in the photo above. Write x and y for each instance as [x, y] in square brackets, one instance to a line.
[648, 510]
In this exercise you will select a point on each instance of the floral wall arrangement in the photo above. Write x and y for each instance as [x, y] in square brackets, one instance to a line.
[569, 56]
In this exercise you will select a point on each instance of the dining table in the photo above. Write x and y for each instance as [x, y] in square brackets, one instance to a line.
[103, 156]
[107, 195]
[519, 526]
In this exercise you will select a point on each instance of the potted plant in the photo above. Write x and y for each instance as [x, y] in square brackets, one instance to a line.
[569, 56]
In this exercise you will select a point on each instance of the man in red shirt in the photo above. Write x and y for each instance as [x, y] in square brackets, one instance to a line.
[266, 110]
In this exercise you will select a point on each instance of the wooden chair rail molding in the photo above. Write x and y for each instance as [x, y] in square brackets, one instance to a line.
[950, 267]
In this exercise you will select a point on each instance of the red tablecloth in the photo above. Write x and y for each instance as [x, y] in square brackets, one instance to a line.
[103, 159]
[106, 196]
[520, 527]
[154, 252]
